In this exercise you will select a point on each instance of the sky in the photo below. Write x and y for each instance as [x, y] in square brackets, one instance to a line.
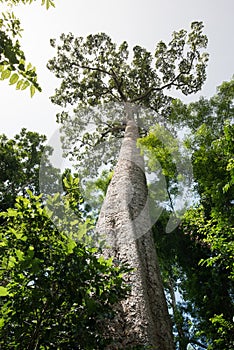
[142, 23]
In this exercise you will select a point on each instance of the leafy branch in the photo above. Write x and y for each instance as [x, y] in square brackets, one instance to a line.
[47, 3]
[13, 66]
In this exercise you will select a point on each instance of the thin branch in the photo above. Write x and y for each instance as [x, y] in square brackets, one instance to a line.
[109, 91]
[112, 130]
[152, 89]
[112, 74]
[98, 69]
[118, 85]
[198, 343]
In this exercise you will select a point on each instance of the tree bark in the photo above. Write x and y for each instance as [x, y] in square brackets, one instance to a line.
[142, 319]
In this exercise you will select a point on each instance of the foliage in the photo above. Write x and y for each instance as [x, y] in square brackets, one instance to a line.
[186, 283]
[197, 258]
[101, 81]
[55, 293]
[47, 3]
[169, 160]
[20, 161]
[103, 73]
[12, 59]
[212, 223]
[205, 290]
[95, 191]
[13, 66]
[213, 112]
[213, 168]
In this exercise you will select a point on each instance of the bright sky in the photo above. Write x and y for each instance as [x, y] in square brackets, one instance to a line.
[138, 22]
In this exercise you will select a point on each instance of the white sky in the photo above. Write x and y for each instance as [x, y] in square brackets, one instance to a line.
[138, 22]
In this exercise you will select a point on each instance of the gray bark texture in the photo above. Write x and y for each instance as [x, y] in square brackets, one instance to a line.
[142, 320]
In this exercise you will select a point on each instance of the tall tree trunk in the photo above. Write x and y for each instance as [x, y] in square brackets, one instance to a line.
[143, 318]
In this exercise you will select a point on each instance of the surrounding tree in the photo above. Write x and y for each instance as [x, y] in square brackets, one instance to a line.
[95, 72]
[55, 292]
[13, 64]
[213, 221]
[20, 161]
[197, 258]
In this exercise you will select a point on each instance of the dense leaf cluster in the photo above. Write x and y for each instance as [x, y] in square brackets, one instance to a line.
[197, 258]
[95, 70]
[13, 65]
[55, 293]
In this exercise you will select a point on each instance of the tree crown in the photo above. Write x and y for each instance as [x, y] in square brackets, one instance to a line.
[94, 70]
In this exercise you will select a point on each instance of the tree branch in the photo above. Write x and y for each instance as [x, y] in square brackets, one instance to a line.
[168, 85]
[151, 89]
[118, 85]
[98, 69]
[111, 73]
[198, 343]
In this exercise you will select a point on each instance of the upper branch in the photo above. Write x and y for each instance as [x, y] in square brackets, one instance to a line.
[152, 89]
[98, 69]
[118, 85]
[165, 86]
[110, 73]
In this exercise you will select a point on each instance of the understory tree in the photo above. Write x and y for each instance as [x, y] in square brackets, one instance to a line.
[113, 98]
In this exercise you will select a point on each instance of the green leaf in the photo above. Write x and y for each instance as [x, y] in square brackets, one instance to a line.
[32, 90]
[11, 212]
[49, 3]
[19, 254]
[70, 246]
[11, 262]
[226, 188]
[2, 321]
[3, 291]
[25, 85]
[5, 74]
[29, 66]
[14, 78]
[19, 84]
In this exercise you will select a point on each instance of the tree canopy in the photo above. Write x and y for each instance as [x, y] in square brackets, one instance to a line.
[100, 79]
[95, 70]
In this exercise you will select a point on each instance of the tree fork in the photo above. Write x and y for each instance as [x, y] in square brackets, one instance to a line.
[142, 319]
